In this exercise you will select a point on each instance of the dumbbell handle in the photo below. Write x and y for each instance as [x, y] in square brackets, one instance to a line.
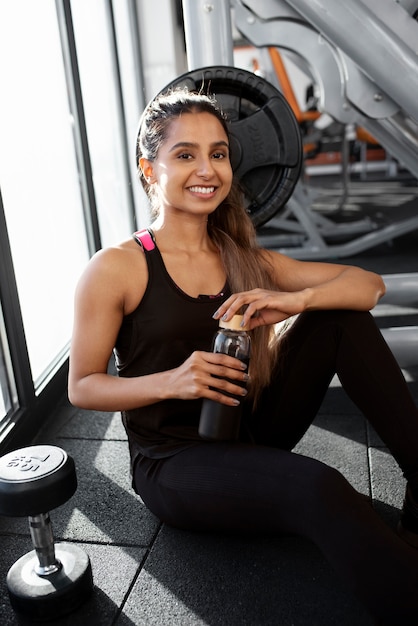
[43, 541]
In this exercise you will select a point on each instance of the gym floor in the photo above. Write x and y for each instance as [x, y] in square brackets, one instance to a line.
[146, 573]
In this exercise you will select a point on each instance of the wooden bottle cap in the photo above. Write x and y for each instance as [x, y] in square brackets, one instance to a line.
[234, 323]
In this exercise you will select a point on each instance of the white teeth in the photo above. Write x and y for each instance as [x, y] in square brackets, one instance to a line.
[202, 189]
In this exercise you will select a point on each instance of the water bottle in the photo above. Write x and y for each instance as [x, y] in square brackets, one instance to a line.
[220, 421]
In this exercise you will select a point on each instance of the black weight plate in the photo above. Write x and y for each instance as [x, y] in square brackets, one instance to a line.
[266, 145]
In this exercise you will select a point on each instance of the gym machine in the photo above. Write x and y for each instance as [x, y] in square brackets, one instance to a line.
[362, 57]
[359, 80]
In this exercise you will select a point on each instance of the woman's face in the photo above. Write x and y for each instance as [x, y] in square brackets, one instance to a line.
[192, 171]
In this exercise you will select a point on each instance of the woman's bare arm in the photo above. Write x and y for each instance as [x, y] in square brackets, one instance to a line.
[306, 286]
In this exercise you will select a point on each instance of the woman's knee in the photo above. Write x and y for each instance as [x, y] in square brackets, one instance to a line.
[315, 327]
[327, 493]
[340, 317]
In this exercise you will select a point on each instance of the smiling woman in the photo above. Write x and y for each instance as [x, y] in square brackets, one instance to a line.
[192, 161]
[184, 166]
[143, 299]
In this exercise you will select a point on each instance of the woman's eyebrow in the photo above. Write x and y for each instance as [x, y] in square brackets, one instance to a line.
[190, 144]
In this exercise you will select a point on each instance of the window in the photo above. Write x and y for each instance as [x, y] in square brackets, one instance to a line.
[40, 179]
[95, 45]
[72, 94]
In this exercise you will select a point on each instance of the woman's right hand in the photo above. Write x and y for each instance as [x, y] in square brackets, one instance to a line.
[104, 295]
[198, 376]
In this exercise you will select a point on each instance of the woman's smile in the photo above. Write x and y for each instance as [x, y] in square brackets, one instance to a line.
[205, 191]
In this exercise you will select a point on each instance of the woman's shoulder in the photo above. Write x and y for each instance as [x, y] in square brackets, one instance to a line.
[118, 257]
[120, 270]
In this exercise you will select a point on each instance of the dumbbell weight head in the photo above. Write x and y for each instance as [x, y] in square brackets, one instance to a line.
[50, 597]
[35, 480]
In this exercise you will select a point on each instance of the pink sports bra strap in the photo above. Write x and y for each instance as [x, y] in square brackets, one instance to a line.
[145, 239]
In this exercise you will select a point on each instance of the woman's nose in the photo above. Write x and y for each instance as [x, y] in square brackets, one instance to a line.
[204, 167]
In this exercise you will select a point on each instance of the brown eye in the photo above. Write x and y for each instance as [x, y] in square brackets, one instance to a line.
[219, 155]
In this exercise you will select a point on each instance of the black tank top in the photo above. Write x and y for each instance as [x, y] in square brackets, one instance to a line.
[162, 332]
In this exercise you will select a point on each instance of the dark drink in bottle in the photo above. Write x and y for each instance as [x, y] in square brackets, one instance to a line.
[220, 421]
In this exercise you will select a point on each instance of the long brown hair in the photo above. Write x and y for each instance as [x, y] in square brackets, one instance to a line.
[230, 227]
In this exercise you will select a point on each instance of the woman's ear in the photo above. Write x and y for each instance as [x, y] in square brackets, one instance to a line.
[147, 170]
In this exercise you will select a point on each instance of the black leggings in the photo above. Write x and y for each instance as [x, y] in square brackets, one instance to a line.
[261, 485]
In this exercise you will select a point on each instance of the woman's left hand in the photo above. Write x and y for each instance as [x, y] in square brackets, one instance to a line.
[302, 286]
[262, 306]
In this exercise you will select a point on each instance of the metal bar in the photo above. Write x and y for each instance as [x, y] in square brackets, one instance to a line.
[403, 342]
[208, 32]
[324, 250]
[121, 117]
[9, 299]
[384, 45]
[131, 67]
[65, 23]
[397, 138]
[401, 289]
[43, 541]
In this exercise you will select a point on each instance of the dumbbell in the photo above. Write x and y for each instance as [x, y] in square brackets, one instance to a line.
[53, 579]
